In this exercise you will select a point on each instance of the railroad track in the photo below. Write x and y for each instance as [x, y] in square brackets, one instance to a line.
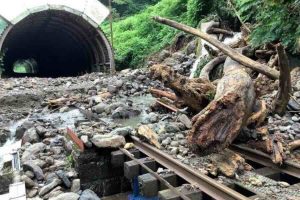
[210, 187]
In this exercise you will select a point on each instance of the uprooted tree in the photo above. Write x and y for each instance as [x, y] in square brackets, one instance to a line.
[234, 105]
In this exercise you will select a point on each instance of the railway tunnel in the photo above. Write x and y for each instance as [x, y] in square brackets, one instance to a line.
[62, 37]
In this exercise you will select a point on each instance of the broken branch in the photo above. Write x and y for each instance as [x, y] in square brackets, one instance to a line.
[235, 55]
[210, 66]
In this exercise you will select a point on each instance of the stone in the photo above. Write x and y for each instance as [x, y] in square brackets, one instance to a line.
[151, 118]
[172, 128]
[47, 188]
[297, 94]
[40, 130]
[75, 185]
[293, 105]
[38, 172]
[119, 83]
[283, 184]
[32, 193]
[163, 55]
[112, 88]
[166, 141]
[86, 141]
[108, 141]
[28, 182]
[123, 131]
[295, 119]
[124, 112]
[100, 108]
[89, 195]
[61, 174]
[4, 135]
[30, 174]
[21, 129]
[170, 62]
[54, 193]
[66, 196]
[179, 56]
[185, 120]
[174, 144]
[31, 136]
[179, 136]
[174, 150]
[32, 151]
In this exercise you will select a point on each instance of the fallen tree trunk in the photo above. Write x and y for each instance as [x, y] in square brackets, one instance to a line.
[285, 87]
[235, 55]
[210, 66]
[161, 93]
[217, 125]
[195, 93]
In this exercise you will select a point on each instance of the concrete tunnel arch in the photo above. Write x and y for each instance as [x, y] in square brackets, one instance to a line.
[65, 41]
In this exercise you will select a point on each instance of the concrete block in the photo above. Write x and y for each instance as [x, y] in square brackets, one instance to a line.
[148, 185]
[133, 169]
[266, 171]
[118, 157]
[192, 193]
[171, 178]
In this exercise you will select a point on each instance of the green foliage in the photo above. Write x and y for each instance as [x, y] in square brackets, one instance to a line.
[138, 36]
[275, 20]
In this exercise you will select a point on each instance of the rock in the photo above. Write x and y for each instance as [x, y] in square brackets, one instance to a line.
[293, 105]
[174, 151]
[38, 172]
[21, 129]
[284, 128]
[108, 141]
[85, 140]
[112, 88]
[4, 135]
[170, 62]
[61, 174]
[119, 83]
[296, 127]
[283, 184]
[124, 112]
[150, 118]
[75, 185]
[295, 119]
[66, 196]
[174, 144]
[47, 188]
[28, 182]
[40, 130]
[163, 55]
[32, 151]
[172, 128]
[178, 56]
[31, 136]
[54, 193]
[179, 136]
[89, 195]
[124, 131]
[100, 108]
[166, 141]
[30, 174]
[297, 94]
[32, 193]
[185, 120]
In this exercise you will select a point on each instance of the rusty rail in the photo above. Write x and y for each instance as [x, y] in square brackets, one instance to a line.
[264, 159]
[193, 176]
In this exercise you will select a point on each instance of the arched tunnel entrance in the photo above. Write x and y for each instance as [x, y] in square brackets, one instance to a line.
[61, 43]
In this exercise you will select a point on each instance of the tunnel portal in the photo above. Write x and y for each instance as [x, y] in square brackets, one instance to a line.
[62, 43]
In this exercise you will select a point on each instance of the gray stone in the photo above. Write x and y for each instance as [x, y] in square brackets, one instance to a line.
[172, 128]
[293, 105]
[47, 188]
[108, 141]
[4, 135]
[174, 143]
[170, 62]
[89, 195]
[28, 182]
[179, 56]
[21, 129]
[100, 108]
[174, 151]
[85, 140]
[123, 131]
[112, 88]
[185, 120]
[31, 152]
[163, 55]
[30, 174]
[75, 185]
[31, 136]
[61, 174]
[32, 193]
[166, 141]
[151, 118]
[124, 112]
[54, 193]
[38, 172]
[66, 196]
[41, 130]
[297, 94]
[119, 83]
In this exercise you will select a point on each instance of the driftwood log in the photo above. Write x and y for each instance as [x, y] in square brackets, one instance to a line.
[195, 93]
[210, 66]
[218, 124]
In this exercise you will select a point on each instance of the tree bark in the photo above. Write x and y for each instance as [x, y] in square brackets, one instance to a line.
[235, 55]
[285, 88]
[210, 66]
[161, 93]
[213, 30]
[195, 93]
[217, 125]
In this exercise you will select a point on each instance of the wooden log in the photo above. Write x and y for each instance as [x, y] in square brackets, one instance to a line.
[235, 55]
[217, 125]
[195, 93]
[161, 93]
[294, 145]
[213, 30]
[210, 66]
[285, 87]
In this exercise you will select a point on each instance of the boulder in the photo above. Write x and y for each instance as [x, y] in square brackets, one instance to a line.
[61, 174]
[38, 172]
[31, 152]
[47, 188]
[30, 136]
[22, 128]
[4, 135]
[124, 131]
[89, 195]
[124, 112]
[66, 196]
[100, 108]
[28, 182]
[75, 185]
[108, 141]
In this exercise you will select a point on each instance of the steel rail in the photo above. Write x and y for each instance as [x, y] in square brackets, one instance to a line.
[265, 159]
[195, 177]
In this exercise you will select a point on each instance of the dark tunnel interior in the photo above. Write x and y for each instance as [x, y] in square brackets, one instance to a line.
[61, 43]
